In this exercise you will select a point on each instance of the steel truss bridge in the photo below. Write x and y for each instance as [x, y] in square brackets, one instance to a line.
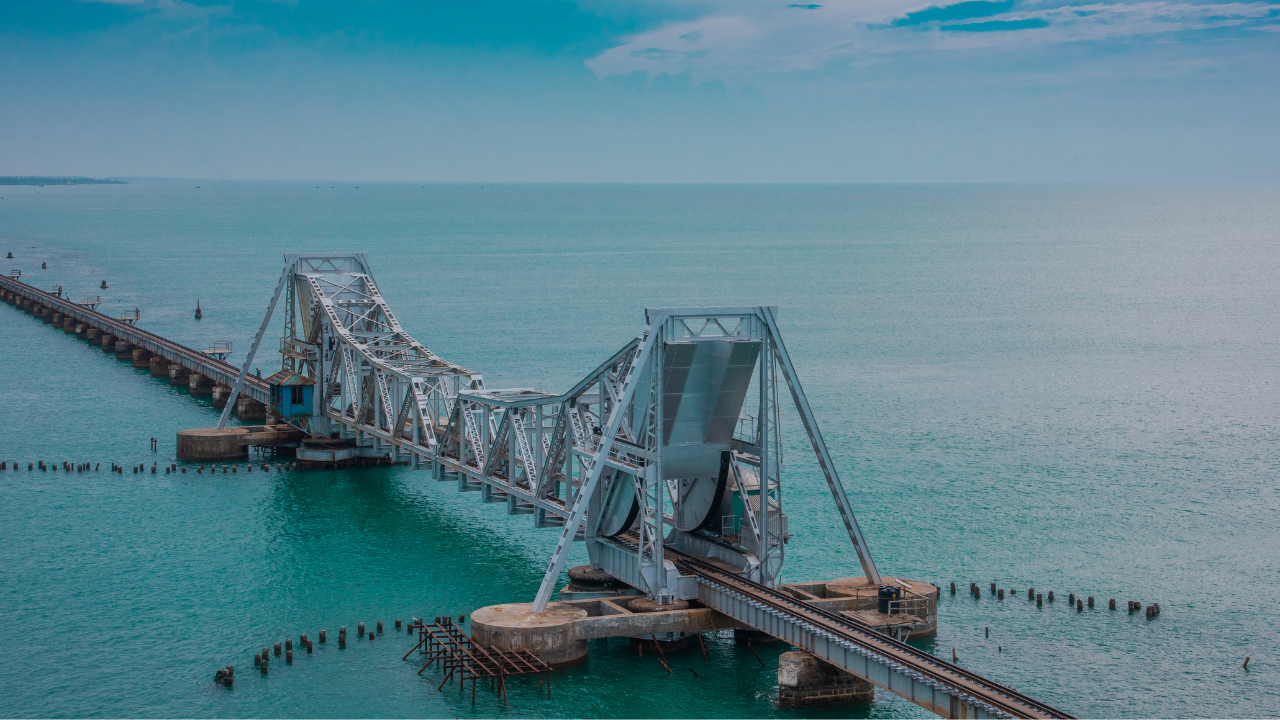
[667, 452]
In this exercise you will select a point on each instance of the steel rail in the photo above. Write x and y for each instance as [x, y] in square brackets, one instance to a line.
[120, 329]
[1003, 697]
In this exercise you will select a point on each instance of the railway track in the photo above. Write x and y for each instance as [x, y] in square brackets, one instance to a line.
[1002, 698]
[201, 361]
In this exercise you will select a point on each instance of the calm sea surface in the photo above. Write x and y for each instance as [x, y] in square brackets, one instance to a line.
[1071, 388]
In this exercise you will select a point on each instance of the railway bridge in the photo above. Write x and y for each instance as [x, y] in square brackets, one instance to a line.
[666, 461]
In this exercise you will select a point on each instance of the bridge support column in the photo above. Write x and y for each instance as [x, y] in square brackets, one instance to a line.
[806, 681]
[124, 350]
[220, 394]
[108, 342]
[69, 324]
[82, 331]
[550, 635]
[200, 385]
[207, 444]
[179, 375]
[159, 366]
[141, 358]
[249, 409]
[50, 316]
[93, 334]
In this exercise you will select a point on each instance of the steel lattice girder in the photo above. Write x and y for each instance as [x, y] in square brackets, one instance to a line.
[546, 453]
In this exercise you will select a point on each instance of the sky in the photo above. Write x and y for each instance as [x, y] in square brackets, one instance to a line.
[631, 91]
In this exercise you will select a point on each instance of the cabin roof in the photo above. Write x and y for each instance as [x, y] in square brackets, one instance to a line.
[288, 377]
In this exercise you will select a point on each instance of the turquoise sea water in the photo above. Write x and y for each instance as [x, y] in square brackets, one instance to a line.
[1071, 388]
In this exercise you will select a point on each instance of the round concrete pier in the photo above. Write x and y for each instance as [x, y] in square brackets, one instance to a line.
[212, 444]
[552, 635]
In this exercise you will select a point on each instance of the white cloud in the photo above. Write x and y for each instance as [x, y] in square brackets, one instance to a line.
[750, 37]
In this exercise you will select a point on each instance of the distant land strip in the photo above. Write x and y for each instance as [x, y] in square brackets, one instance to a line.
[58, 181]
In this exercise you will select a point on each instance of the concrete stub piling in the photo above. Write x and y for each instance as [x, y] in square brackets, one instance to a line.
[288, 643]
[1090, 601]
[322, 637]
[1079, 606]
[379, 627]
[360, 630]
[277, 649]
[1111, 604]
[1039, 600]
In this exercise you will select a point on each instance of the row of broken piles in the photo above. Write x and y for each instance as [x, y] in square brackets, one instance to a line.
[1152, 610]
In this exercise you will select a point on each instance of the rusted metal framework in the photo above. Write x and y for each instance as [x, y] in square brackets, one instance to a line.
[459, 656]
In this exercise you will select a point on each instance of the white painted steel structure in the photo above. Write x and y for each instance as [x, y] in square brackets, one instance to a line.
[652, 454]
[655, 439]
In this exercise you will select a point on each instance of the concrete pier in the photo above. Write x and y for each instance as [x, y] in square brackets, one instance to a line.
[108, 342]
[200, 385]
[159, 367]
[806, 681]
[124, 350]
[220, 394]
[208, 444]
[514, 627]
[141, 358]
[179, 375]
[93, 334]
[553, 636]
[249, 409]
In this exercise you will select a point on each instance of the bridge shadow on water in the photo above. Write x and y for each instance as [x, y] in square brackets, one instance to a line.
[394, 526]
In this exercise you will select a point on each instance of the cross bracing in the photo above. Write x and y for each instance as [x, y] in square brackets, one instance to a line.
[674, 439]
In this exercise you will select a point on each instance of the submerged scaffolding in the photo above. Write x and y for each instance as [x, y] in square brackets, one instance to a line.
[459, 655]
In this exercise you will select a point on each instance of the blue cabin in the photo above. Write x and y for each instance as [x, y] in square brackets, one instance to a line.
[290, 394]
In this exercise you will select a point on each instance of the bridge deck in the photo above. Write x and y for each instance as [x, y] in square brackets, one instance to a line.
[935, 684]
[219, 371]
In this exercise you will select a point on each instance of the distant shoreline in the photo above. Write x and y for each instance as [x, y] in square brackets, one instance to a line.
[36, 180]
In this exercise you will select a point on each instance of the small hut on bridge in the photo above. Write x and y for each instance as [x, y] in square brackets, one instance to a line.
[291, 394]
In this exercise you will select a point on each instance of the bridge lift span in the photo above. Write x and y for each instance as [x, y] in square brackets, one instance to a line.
[674, 437]
[669, 450]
